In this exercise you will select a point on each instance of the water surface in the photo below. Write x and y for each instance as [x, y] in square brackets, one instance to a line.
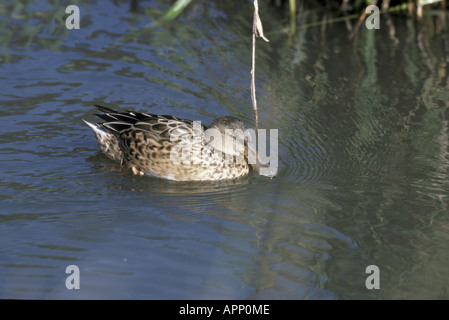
[363, 156]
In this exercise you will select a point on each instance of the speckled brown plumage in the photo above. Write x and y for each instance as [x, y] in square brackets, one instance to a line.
[144, 143]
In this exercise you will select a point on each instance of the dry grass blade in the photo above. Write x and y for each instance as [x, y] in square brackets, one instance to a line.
[257, 31]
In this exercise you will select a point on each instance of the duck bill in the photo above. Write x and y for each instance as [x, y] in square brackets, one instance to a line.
[264, 169]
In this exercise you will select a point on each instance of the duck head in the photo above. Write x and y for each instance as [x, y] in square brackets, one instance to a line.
[239, 141]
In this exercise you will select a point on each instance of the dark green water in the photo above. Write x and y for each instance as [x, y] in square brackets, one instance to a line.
[363, 156]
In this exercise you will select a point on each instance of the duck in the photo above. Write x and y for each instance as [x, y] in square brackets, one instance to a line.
[168, 147]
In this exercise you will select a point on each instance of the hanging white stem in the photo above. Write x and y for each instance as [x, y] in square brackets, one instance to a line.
[257, 31]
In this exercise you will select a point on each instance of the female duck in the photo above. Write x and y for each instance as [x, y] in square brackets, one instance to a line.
[177, 149]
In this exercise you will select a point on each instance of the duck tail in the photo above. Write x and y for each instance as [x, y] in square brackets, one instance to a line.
[98, 128]
[107, 141]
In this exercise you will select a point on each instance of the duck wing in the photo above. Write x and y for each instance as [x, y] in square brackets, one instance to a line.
[159, 125]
